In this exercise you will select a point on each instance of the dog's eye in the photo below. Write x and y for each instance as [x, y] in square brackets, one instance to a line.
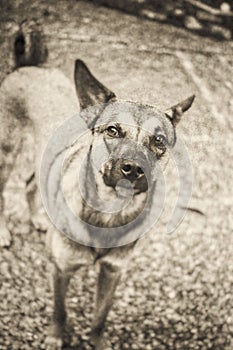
[113, 131]
[159, 141]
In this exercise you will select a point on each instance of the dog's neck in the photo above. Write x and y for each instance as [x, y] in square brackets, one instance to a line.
[91, 200]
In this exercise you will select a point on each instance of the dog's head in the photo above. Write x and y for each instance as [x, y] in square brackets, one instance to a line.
[136, 137]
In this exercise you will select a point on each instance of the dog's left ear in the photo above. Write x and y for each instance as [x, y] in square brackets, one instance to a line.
[89, 90]
[175, 112]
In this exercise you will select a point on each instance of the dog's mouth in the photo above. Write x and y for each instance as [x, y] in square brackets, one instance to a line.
[125, 176]
[126, 188]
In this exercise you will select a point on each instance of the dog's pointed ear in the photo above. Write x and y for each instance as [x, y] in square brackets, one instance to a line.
[89, 90]
[175, 113]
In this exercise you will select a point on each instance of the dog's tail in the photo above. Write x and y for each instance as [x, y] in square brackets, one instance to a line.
[29, 45]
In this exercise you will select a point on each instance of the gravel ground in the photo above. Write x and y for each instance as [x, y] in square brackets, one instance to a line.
[177, 291]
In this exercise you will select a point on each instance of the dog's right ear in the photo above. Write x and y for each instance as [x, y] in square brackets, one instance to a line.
[89, 90]
[175, 113]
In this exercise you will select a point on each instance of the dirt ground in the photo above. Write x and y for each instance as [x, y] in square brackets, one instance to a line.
[177, 291]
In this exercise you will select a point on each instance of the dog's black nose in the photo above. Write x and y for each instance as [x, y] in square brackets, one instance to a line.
[131, 170]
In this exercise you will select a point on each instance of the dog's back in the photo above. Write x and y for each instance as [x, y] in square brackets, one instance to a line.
[43, 95]
[32, 94]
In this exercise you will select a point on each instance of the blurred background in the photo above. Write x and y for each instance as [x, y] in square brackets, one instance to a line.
[177, 292]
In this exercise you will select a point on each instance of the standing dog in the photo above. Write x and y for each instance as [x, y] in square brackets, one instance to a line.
[135, 136]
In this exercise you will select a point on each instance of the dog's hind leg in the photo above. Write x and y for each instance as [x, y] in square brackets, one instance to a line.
[7, 158]
[107, 282]
[16, 208]
[5, 236]
[39, 218]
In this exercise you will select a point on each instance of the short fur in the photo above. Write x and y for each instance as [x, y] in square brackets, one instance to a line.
[46, 98]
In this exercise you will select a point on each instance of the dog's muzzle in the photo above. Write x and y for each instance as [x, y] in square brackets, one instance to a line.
[126, 169]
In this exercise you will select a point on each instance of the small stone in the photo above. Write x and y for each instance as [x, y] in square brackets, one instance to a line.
[153, 15]
[225, 7]
[191, 22]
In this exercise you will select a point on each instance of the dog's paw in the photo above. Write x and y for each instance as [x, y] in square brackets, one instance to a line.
[40, 221]
[99, 342]
[54, 340]
[5, 236]
[53, 343]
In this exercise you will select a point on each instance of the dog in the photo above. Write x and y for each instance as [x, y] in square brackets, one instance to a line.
[136, 138]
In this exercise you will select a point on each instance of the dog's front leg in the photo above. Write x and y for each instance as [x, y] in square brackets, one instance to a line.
[60, 281]
[107, 282]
